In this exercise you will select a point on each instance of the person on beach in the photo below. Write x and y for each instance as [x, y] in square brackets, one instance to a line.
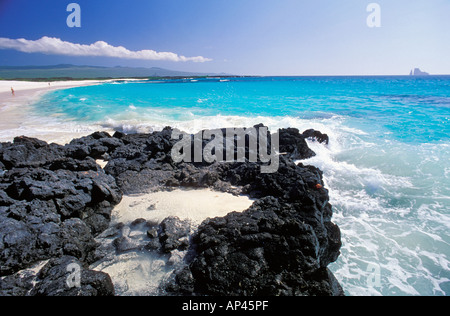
[12, 91]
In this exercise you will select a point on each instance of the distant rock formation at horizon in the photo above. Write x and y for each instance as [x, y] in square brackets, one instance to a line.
[418, 72]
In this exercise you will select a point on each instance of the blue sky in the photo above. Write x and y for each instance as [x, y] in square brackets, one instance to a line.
[254, 37]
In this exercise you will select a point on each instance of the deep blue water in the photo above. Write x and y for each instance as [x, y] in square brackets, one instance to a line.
[387, 166]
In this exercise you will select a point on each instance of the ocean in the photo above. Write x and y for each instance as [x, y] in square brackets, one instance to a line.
[387, 166]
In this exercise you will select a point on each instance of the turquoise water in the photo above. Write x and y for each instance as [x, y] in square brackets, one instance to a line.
[415, 110]
[387, 166]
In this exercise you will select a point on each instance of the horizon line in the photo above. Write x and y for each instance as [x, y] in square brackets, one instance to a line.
[224, 74]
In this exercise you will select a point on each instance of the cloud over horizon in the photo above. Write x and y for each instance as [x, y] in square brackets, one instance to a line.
[55, 46]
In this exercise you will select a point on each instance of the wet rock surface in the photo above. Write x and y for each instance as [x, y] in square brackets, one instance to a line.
[56, 202]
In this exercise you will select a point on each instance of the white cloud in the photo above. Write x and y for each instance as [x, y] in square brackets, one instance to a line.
[56, 46]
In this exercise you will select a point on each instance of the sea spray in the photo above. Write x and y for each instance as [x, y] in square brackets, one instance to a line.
[385, 219]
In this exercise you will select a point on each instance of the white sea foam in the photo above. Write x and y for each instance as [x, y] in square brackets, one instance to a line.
[188, 122]
[384, 216]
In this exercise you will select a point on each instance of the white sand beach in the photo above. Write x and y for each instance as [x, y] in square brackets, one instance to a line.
[195, 205]
[15, 109]
[26, 86]
[27, 91]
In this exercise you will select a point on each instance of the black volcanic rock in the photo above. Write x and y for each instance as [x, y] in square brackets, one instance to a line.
[174, 234]
[317, 136]
[144, 161]
[271, 249]
[51, 204]
[28, 152]
[282, 245]
[54, 200]
[293, 143]
[52, 280]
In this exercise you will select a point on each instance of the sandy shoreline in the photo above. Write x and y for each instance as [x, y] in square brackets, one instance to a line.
[24, 90]
[14, 120]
